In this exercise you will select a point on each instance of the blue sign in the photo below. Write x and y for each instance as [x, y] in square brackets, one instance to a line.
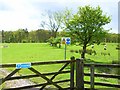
[68, 41]
[23, 65]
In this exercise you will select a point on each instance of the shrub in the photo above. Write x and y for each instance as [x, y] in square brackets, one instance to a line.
[71, 51]
[76, 51]
[24, 41]
[118, 47]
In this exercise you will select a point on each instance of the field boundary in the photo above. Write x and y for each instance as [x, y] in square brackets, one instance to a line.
[76, 68]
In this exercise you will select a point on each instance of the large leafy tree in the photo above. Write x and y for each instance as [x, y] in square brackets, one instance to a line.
[87, 26]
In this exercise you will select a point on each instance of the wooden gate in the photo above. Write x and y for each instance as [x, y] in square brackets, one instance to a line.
[69, 63]
[76, 83]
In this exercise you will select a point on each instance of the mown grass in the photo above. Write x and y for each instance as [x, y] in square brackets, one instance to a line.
[27, 52]
[34, 52]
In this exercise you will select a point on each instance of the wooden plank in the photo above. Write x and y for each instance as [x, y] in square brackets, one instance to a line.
[48, 80]
[38, 63]
[103, 65]
[108, 85]
[72, 74]
[62, 61]
[104, 84]
[32, 76]
[104, 75]
[92, 77]
[51, 62]
[8, 76]
[55, 75]
[79, 74]
[7, 65]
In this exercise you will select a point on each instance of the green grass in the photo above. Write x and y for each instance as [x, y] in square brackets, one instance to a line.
[105, 59]
[34, 52]
[17, 53]
[27, 52]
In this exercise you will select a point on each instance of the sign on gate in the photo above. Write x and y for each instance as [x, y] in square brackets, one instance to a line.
[23, 65]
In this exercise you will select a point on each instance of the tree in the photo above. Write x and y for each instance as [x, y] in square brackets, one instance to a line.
[87, 26]
[3, 36]
[53, 22]
[55, 41]
[21, 35]
[42, 35]
[7, 36]
[32, 37]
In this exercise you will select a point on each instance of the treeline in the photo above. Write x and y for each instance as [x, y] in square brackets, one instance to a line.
[42, 36]
[113, 38]
[23, 36]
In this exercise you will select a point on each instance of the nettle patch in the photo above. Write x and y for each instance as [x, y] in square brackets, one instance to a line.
[88, 51]
[118, 47]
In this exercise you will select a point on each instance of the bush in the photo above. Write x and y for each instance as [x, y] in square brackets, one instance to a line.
[118, 47]
[103, 44]
[24, 41]
[71, 51]
[76, 51]
[88, 51]
[32, 41]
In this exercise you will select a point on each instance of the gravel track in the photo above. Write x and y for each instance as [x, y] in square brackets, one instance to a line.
[16, 83]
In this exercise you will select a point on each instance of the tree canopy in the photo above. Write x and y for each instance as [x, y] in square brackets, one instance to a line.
[87, 26]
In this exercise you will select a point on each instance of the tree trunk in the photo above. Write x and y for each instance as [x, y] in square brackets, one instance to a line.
[59, 45]
[54, 34]
[83, 52]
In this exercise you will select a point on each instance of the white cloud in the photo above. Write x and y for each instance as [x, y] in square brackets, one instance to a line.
[27, 13]
[19, 16]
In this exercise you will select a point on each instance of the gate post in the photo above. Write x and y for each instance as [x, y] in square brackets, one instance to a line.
[79, 74]
[92, 77]
[72, 73]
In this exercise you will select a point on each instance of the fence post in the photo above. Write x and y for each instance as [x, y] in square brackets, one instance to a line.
[92, 77]
[79, 74]
[72, 74]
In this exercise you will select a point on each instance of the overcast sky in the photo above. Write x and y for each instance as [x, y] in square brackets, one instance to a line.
[15, 14]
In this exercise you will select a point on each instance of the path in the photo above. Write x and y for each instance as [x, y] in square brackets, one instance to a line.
[16, 83]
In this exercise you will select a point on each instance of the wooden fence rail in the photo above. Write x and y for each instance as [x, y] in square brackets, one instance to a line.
[92, 75]
[76, 67]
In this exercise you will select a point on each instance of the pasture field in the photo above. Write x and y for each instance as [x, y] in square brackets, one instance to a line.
[35, 52]
[31, 52]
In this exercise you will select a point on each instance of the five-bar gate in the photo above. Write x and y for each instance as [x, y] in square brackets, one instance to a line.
[75, 71]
